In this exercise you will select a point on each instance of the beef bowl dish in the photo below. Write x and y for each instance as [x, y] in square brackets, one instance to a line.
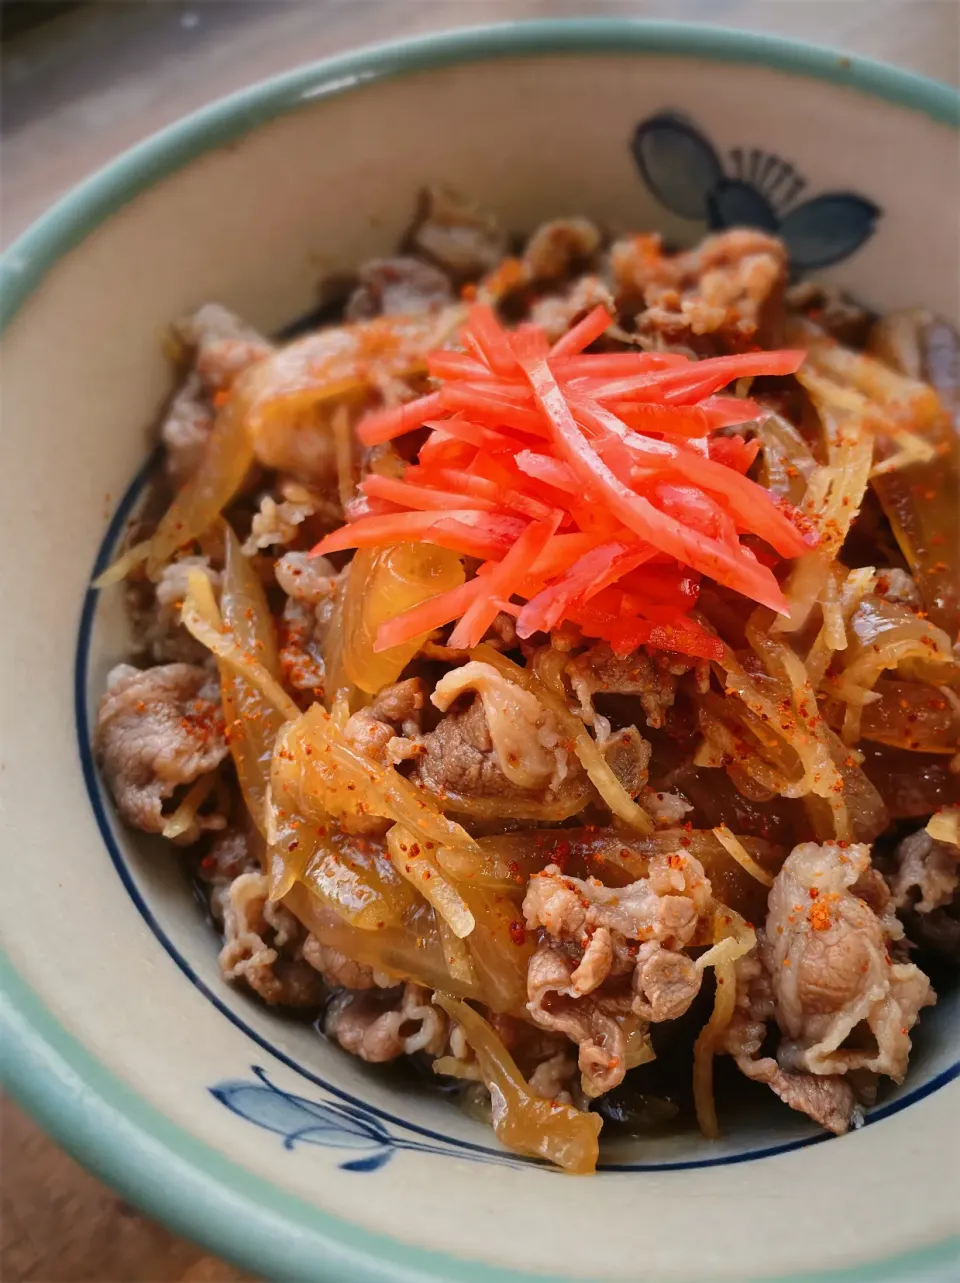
[480, 666]
[545, 664]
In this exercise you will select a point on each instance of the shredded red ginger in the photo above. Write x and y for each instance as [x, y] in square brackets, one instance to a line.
[590, 486]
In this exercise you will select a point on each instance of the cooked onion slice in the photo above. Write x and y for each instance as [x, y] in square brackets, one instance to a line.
[413, 862]
[201, 618]
[253, 722]
[733, 938]
[523, 1122]
[183, 817]
[737, 851]
[127, 561]
[945, 825]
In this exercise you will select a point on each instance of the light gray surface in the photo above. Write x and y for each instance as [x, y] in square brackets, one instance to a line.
[85, 86]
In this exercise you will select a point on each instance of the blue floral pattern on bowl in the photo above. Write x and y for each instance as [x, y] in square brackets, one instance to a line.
[683, 169]
[333, 1124]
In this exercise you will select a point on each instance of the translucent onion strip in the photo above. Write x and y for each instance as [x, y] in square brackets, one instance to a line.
[456, 954]
[412, 862]
[704, 1049]
[733, 938]
[343, 446]
[892, 399]
[945, 826]
[252, 721]
[737, 851]
[127, 561]
[523, 1122]
[186, 813]
[201, 618]
[833, 498]
[318, 772]
[227, 457]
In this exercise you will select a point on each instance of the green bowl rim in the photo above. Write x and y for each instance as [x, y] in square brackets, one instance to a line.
[98, 1118]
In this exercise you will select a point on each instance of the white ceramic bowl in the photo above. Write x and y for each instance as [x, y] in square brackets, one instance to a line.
[242, 1130]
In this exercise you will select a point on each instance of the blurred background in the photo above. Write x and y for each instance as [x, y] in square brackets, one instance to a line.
[80, 82]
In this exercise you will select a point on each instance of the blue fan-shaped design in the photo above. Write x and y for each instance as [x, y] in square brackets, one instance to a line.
[682, 168]
[677, 163]
[828, 228]
[734, 203]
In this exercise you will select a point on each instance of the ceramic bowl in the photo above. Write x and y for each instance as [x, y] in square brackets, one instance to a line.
[245, 1131]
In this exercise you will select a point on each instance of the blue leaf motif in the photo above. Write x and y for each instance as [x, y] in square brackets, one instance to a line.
[297, 1119]
[734, 203]
[370, 1164]
[677, 163]
[359, 1119]
[828, 228]
[333, 1124]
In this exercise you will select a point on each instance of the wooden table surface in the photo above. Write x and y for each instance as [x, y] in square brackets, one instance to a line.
[81, 88]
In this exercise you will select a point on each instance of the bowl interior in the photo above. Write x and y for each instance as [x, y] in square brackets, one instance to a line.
[102, 925]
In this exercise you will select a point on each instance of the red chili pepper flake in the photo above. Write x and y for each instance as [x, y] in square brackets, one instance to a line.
[561, 853]
[518, 933]
[820, 916]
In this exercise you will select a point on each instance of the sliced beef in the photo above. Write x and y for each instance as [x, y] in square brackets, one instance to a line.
[925, 884]
[652, 678]
[232, 852]
[829, 1101]
[726, 295]
[840, 1002]
[154, 612]
[312, 586]
[380, 1026]
[628, 755]
[595, 1021]
[459, 759]
[221, 347]
[311, 580]
[926, 873]
[503, 744]
[464, 241]
[560, 248]
[611, 959]
[263, 946]
[157, 729]
[398, 287]
[843, 318]
[289, 511]
[558, 313]
[388, 730]
[341, 972]
[826, 1098]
